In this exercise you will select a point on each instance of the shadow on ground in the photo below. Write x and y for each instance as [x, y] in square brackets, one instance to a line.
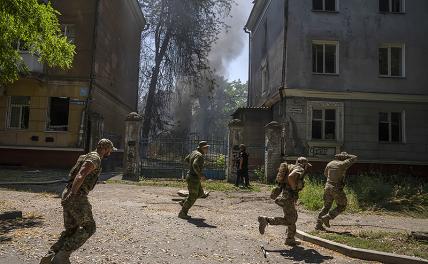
[7, 226]
[301, 254]
[200, 222]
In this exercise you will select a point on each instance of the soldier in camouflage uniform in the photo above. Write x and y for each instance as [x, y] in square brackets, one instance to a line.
[290, 181]
[193, 178]
[335, 172]
[79, 223]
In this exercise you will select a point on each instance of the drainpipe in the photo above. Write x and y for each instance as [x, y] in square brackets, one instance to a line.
[249, 65]
[92, 78]
[284, 72]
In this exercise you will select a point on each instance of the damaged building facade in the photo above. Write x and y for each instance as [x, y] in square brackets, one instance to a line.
[51, 116]
[335, 76]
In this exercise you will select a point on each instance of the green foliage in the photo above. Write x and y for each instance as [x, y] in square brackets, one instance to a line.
[220, 161]
[36, 26]
[405, 194]
[236, 96]
[260, 174]
[398, 243]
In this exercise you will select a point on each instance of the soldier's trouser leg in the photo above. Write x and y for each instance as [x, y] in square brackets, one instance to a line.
[80, 210]
[70, 226]
[341, 203]
[328, 202]
[195, 191]
[289, 219]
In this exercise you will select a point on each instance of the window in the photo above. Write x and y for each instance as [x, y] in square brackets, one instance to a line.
[265, 78]
[19, 112]
[392, 6]
[20, 46]
[392, 60]
[391, 127]
[324, 5]
[58, 114]
[324, 124]
[325, 59]
[69, 31]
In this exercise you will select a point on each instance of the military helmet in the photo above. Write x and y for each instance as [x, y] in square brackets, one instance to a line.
[106, 143]
[342, 155]
[302, 161]
[242, 146]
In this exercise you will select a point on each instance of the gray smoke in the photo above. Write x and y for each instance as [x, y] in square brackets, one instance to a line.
[230, 42]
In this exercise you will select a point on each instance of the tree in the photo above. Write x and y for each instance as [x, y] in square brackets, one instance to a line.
[35, 25]
[176, 46]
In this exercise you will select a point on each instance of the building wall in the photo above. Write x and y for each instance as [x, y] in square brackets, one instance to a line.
[360, 30]
[115, 93]
[267, 47]
[361, 130]
[39, 105]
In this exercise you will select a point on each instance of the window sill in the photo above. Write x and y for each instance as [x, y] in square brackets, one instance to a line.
[54, 131]
[325, 11]
[325, 74]
[392, 77]
[391, 143]
[391, 13]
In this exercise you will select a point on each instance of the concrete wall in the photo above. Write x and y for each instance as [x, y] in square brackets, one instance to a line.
[267, 45]
[360, 30]
[361, 131]
[117, 64]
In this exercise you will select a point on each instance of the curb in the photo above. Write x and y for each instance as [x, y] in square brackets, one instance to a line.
[364, 254]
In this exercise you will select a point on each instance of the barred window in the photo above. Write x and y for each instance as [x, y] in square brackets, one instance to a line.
[19, 112]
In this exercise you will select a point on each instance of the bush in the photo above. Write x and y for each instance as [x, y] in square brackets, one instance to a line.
[373, 192]
[260, 174]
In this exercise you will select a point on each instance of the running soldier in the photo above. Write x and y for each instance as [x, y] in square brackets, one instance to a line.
[79, 223]
[193, 178]
[335, 171]
[290, 181]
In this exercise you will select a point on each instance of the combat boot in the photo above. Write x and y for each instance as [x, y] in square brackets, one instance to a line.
[291, 242]
[62, 257]
[47, 259]
[262, 224]
[183, 215]
[319, 225]
[326, 220]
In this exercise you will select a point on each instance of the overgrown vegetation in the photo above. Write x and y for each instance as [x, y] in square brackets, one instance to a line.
[260, 174]
[403, 194]
[398, 243]
[209, 185]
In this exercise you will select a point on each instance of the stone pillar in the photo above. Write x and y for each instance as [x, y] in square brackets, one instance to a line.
[234, 139]
[273, 158]
[131, 162]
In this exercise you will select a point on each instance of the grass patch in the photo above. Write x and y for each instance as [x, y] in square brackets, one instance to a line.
[398, 243]
[210, 185]
[402, 194]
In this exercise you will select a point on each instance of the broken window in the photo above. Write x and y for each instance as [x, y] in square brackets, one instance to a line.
[325, 57]
[324, 5]
[391, 60]
[58, 114]
[19, 112]
[324, 124]
[69, 31]
[391, 6]
[390, 127]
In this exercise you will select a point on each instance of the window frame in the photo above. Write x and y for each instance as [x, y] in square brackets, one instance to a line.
[388, 46]
[9, 114]
[402, 9]
[64, 32]
[264, 78]
[336, 7]
[339, 120]
[324, 43]
[402, 129]
[48, 127]
[323, 123]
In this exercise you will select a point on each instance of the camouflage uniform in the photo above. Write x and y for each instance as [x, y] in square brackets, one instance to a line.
[196, 164]
[79, 223]
[286, 198]
[335, 172]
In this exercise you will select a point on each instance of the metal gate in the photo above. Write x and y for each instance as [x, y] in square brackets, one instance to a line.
[163, 157]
